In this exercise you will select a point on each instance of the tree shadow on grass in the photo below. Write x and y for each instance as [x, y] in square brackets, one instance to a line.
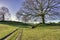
[46, 25]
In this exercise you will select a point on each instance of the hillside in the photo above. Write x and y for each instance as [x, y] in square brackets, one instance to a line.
[14, 23]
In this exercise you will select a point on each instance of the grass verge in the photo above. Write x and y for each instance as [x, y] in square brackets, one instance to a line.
[42, 33]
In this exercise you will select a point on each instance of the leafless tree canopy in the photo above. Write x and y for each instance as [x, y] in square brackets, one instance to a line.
[4, 13]
[32, 9]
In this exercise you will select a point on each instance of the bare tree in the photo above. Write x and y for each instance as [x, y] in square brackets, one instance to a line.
[41, 8]
[22, 16]
[3, 12]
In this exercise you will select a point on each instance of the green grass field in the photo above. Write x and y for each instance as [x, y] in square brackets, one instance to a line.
[41, 32]
[6, 29]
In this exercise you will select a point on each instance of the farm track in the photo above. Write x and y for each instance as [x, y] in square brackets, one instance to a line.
[20, 35]
[7, 36]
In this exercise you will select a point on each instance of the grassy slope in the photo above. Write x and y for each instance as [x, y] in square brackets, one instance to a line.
[15, 24]
[6, 29]
[42, 33]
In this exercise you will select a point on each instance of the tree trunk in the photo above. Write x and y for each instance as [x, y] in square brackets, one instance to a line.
[3, 18]
[43, 19]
